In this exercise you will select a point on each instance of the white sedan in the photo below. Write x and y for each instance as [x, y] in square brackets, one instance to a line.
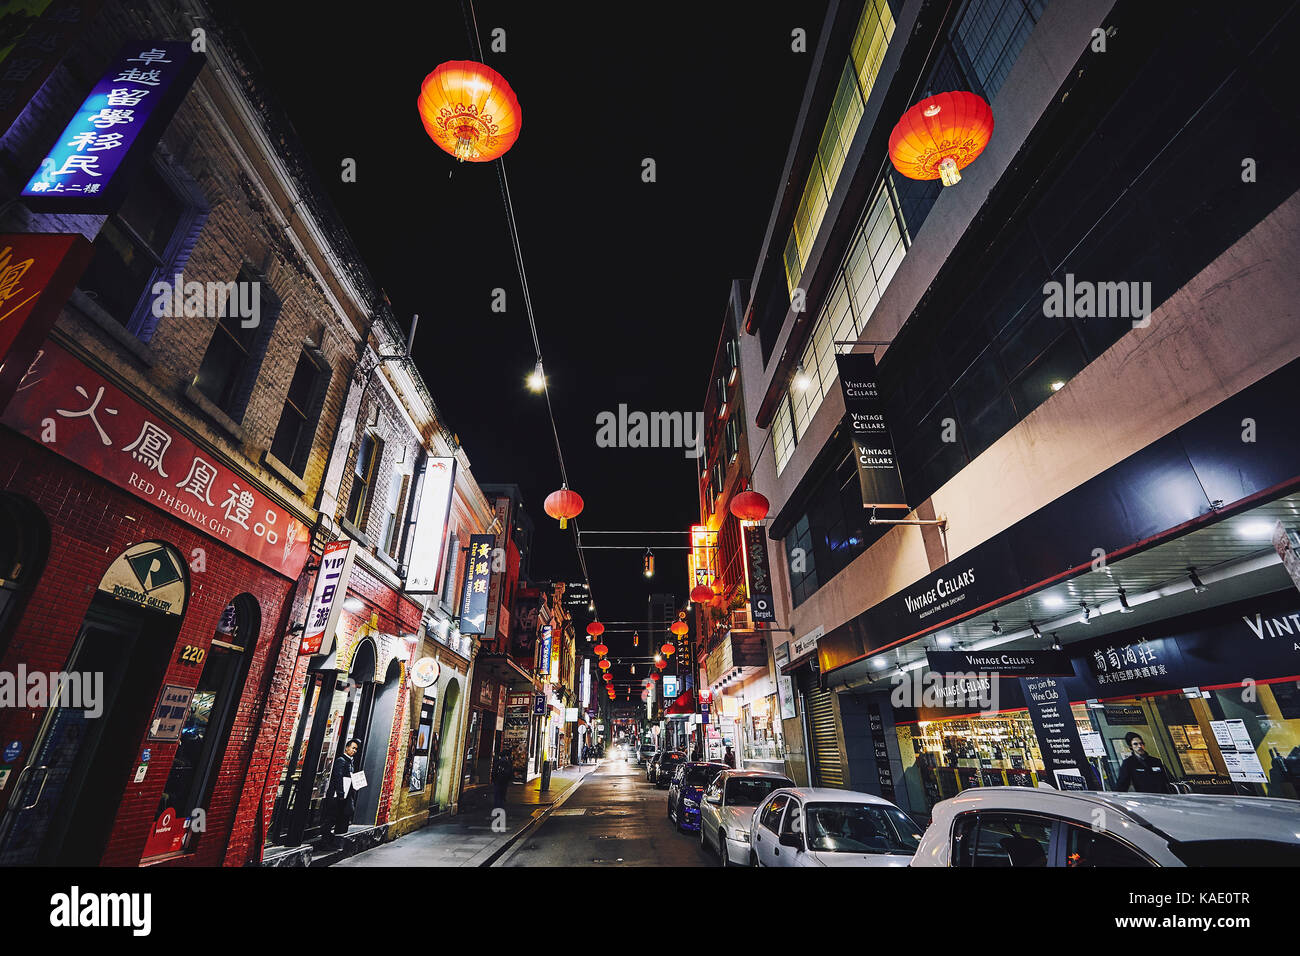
[728, 807]
[809, 826]
[1023, 826]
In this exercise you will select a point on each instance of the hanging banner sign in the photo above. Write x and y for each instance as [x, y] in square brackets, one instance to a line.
[66, 407]
[473, 603]
[494, 619]
[38, 272]
[758, 575]
[882, 483]
[327, 598]
[423, 572]
[1018, 663]
[91, 165]
[1058, 735]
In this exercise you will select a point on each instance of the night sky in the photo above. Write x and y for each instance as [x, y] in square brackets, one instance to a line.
[629, 280]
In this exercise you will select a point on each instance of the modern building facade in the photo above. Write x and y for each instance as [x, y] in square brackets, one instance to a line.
[1082, 372]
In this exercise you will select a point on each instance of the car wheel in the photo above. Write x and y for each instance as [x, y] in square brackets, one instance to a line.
[723, 859]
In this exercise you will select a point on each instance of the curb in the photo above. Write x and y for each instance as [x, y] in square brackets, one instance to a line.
[533, 824]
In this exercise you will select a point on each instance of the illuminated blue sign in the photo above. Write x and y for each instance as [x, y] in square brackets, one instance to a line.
[91, 164]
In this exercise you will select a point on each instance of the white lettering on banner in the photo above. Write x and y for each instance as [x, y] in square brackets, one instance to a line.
[948, 588]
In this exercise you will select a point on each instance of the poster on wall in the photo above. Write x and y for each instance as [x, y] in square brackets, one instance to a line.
[864, 411]
[1058, 734]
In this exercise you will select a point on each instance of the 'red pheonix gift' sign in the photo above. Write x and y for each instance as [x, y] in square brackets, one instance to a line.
[73, 410]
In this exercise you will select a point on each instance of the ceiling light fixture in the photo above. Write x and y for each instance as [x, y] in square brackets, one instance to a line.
[537, 378]
[1034, 627]
[802, 380]
[1056, 642]
[1124, 606]
[997, 628]
[1087, 614]
[1197, 583]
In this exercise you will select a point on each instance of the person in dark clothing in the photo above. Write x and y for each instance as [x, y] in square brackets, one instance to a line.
[343, 804]
[503, 771]
[729, 758]
[1140, 770]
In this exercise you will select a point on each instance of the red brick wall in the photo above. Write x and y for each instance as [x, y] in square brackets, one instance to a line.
[90, 524]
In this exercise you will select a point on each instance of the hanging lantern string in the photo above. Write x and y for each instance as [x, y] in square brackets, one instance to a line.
[471, 28]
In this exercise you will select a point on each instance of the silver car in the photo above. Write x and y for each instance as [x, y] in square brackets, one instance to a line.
[1020, 826]
[728, 808]
[807, 826]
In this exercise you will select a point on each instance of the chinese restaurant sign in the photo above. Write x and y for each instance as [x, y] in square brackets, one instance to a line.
[473, 604]
[72, 410]
[882, 483]
[37, 274]
[757, 574]
[423, 572]
[327, 598]
[90, 165]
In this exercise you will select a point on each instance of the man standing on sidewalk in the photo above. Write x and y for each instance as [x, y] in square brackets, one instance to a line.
[503, 769]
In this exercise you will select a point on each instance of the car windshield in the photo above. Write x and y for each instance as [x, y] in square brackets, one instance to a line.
[1237, 853]
[751, 791]
[700, 776]
[861, 828]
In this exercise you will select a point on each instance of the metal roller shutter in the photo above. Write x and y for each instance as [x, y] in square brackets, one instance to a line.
[828, 771]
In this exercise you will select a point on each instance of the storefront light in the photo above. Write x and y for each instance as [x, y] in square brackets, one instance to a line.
[1053, 600]
[354, 605]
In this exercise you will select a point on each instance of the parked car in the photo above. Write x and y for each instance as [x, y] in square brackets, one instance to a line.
[728, 808]
[644, 753]
[1018, 826]
[669, 761]
[652, 765]
[687, 790]
[806, 826]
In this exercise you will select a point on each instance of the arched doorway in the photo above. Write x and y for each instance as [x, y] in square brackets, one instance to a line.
[24, 546]
[375, 736]
[445, 745]
[207, 727]
[62, 808]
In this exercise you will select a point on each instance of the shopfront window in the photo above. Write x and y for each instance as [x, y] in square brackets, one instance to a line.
[763, 736]
[1001, 840]
[943, 757]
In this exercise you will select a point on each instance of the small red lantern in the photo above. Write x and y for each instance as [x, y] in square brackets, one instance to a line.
[940, 136]
[563, 504]
[603, 665]
[655, 676]
[661, 665]
[595, 629]
[600, 649]
[667, 650]
[702, 594]
[679, 628]
[749, 506]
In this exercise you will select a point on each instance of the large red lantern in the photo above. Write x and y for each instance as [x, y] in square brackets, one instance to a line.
[680, 628]
[668, 649]
[702, 594]
[940, 136]
[595, 629]
[469, 110]
[603, 665]
[600, 649]
[563, 504]
[749, 506]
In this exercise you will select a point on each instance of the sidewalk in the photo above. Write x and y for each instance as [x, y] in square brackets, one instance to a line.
[467, 838]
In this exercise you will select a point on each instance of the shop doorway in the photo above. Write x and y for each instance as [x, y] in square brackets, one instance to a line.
[373, 758]
[445, 744]
[63, 805]
[24, 547]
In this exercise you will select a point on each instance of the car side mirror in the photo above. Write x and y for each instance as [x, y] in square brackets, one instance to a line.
[792, 840]
[716, 801]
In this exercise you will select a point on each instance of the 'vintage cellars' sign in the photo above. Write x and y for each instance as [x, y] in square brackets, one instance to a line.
[1018, 663]
[76, 412]
[882, 483]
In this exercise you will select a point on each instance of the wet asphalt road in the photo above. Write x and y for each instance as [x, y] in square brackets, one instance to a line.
[614, 818]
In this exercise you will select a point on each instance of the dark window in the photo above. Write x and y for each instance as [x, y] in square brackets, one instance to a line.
[770, 818]
[989, 34]
[733, 438]
[1001, 840]
[238, 344]
[135, 248]
[1086, 848]
[860, 828]
[297, 429]
[750, 791]
[363, 476]
[802, 563]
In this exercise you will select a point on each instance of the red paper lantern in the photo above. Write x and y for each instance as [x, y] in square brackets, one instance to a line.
[661, 665]
[600, 649]
[749, 506]
[667, 650]
[595, 629]
[679, 628]
[603, 665]
[609, 678]
[469, 110]
[940, 136]
[655, 676]
[563, 504]
[702, 594]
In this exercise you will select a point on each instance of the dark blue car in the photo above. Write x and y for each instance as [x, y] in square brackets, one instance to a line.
[686, 791]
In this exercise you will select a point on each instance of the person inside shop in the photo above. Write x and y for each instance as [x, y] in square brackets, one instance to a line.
[1141, 770]
[343, 797]
[729, 758]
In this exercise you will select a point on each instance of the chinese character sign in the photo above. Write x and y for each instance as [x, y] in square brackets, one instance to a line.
[169, 716]
[478, 572]
[757, 575]
[327, 599]
[76, 412]
[115, 128]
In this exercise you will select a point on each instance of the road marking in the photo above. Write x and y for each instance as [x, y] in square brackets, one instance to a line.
[568, 813]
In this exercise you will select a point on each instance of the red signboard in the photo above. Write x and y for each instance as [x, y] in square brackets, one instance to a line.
[37, 274]
[78, 413]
